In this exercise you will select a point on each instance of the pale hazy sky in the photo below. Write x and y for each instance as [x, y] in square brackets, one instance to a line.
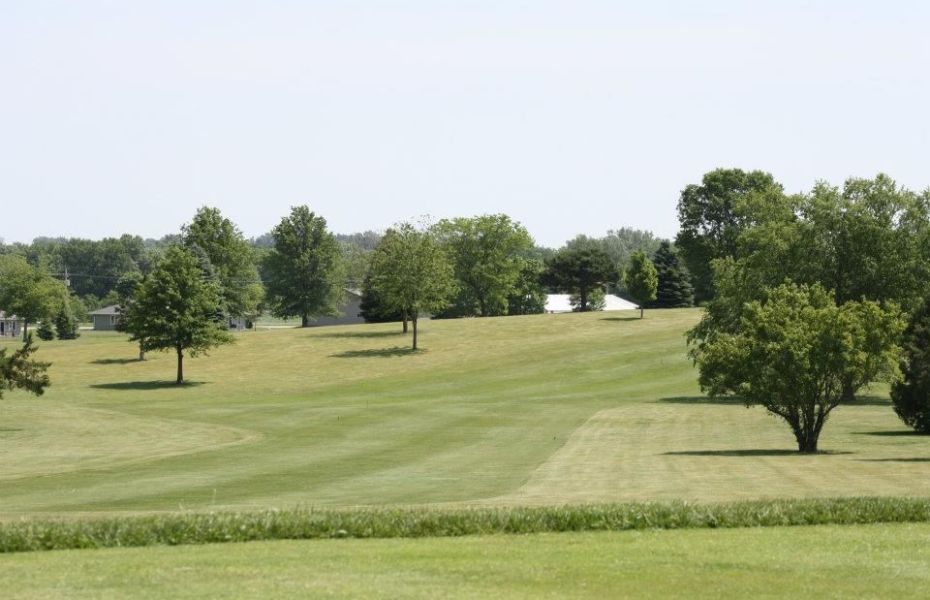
[573, 117]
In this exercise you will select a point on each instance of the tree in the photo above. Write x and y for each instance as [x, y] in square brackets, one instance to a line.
[131, 319]
[674, 286]
[373, 307]
[304, 268]
[26, 291]
[178, 308]
[712, 216]
[641, 280]
[66, 320]
[412, 273]
[579, 271]
[231, 260]
[487, 253]
[527, 296]
[793, 353]
[20, 371]
[911, 395]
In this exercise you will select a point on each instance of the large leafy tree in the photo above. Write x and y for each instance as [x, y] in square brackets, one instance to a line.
[27, 291]
[178, 308]
[230, 257]
[911, 395]
[712, 215]
[641, 280]
[580, 271]
[20, 371]
[411, 272]
[488, 253]
[794, 353]
[674, 288]
[304, 268]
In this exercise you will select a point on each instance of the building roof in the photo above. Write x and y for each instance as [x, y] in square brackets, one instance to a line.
[558, 303]
[113, 309]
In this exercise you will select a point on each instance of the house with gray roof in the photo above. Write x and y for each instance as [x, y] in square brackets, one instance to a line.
[106, 318]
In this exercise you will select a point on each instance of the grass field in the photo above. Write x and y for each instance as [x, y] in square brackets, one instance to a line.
[541, 409]
[864, 561]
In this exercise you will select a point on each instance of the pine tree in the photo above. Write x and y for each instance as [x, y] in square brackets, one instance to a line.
[911, 396]
[675, 289]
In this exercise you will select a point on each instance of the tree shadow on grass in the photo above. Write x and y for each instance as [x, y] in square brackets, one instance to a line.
[869, 401]
[751, 452]
[736, 400]
[9, 430]
[914, 459]
[724, 400]
[114, 361]
[895, 433]
[146, 385]
[362, 334]
[620, 319]
[376, 352]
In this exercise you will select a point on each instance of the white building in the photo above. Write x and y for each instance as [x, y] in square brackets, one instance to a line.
[559, 303]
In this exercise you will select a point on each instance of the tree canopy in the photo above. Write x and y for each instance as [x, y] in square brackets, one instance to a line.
[176, 307]
[304, 268]
[412, 273]
[795, 353]
[230, 257]
[27, 291]
[641, 280]
[488, 253]
[712, 215]
[580, 271]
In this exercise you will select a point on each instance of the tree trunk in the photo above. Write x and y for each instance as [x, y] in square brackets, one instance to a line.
[849, 393]
[414, 319]
[180, 378]
[25, 329]
[305, 320]
[405, 320]
[640, 312]
[583, 298]
[141, 353]
[807, 444]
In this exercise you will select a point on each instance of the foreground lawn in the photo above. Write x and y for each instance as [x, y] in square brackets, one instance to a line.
[865, 561]
[547, 409]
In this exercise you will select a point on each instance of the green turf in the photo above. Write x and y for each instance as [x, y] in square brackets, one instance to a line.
[863, 561]
[521, 410]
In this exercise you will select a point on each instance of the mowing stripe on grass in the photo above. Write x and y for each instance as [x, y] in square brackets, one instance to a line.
[310, 523]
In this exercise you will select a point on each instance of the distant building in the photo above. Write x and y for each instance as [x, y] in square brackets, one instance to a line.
[10, 325]
[560, 303]
[106, 318]
[351, 309]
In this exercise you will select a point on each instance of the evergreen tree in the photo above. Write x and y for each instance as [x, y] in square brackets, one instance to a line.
[19, 371]
[66, 322]
[373, 307]
[911, 396]
[675, 289]
[45, 331]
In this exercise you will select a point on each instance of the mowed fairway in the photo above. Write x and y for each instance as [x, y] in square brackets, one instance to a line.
[520, 410]
[864, 561]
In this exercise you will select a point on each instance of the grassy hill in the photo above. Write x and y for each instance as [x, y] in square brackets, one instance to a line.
[521, 410]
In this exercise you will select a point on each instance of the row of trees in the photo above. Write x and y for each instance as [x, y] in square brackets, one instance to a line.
[808, 294]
